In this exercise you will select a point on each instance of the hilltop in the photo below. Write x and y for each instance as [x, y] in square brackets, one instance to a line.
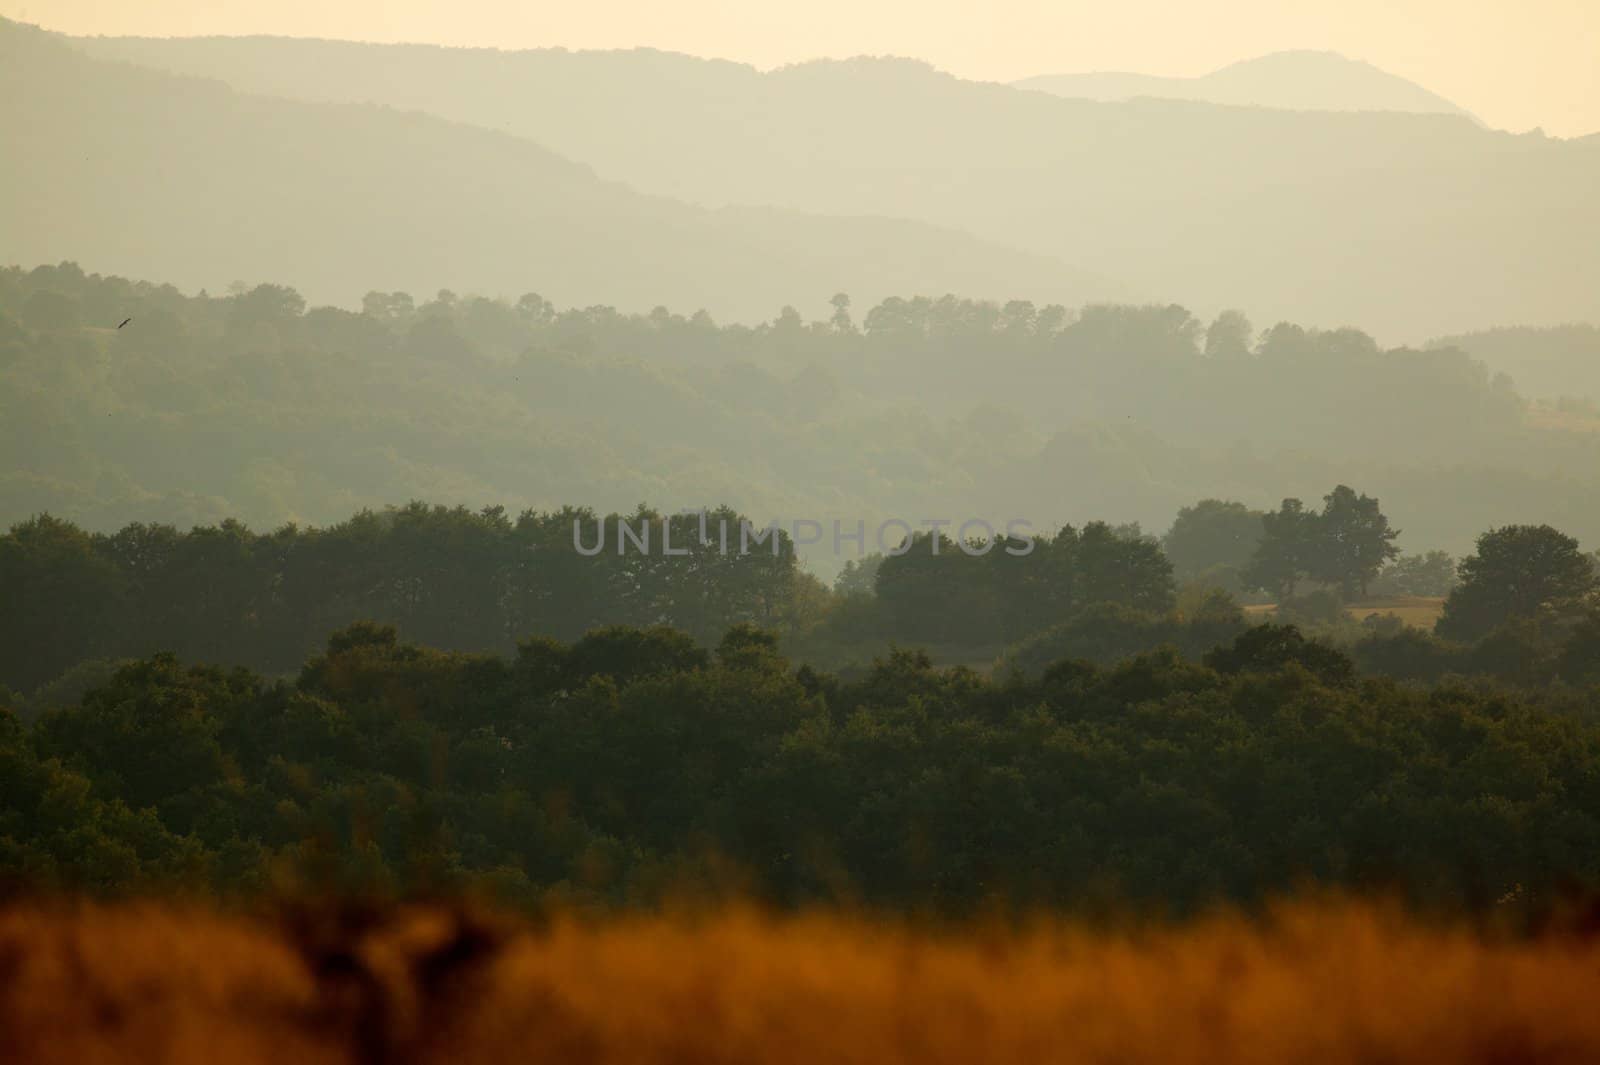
[1294, 80]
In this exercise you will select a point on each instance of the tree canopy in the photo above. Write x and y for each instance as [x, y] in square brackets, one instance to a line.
[605, 771]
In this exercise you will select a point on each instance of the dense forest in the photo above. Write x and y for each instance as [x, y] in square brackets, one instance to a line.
[568, 746]
[634, 763]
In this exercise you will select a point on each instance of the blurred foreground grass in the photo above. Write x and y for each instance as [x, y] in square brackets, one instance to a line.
[1309, 983]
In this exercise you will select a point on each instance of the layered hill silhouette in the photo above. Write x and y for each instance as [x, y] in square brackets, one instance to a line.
[1295, 81]
[129, 169]
[1412, 225]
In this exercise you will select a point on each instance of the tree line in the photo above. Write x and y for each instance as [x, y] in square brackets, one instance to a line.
[457, 578]
[480, 580]
[1522, 608]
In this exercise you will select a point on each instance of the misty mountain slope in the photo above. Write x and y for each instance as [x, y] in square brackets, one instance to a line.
[1409, 225]
[129, 169]
[1294, 80]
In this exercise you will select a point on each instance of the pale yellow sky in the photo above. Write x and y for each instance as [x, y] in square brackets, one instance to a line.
[1515, 64]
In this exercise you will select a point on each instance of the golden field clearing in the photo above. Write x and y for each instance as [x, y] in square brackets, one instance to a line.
[1313, 983]
[1418, 611]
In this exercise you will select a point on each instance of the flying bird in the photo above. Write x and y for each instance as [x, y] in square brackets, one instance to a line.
[125, 321]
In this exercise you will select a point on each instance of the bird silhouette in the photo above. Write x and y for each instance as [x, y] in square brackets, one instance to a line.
[125, 321]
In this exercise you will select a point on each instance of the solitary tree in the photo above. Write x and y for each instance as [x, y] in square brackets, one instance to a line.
[1352, 541]
[1519, 571]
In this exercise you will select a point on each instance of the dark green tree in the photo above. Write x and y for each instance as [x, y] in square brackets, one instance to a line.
[1267, 648]
[1529, 572]
[60, 600]
[1128, 570]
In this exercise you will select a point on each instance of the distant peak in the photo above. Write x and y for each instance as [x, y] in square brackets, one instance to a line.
[1295, 80]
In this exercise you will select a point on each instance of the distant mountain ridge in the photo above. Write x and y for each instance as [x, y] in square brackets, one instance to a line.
[132, 170]
[1546, 363]
[1293, 81]
[1411, 225]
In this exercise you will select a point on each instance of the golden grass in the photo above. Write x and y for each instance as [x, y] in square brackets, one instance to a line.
[1313, 984]
[1549, 416]
[1418, 611]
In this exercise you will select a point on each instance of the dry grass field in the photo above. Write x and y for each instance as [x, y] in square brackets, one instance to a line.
[1418, 611]
[1578, 418]
[1314, 983]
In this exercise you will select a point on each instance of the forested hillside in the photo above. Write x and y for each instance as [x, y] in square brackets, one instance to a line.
[250, 405]
[1553, 363]
[1408, 225]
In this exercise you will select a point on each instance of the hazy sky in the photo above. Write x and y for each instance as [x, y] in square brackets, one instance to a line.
[1515, 64]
